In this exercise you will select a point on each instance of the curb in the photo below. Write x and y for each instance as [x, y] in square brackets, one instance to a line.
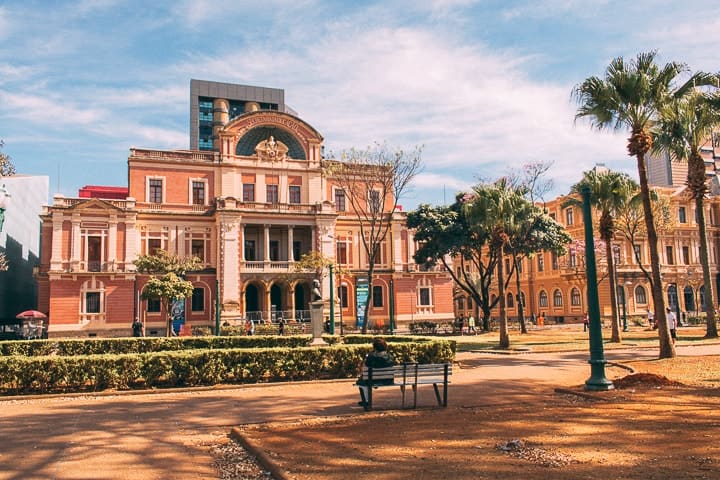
[262, 458]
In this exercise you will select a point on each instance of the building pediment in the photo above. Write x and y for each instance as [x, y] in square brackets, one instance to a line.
[96, 204]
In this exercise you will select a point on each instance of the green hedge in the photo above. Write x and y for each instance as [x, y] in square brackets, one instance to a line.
[49, 374]
[69, 347]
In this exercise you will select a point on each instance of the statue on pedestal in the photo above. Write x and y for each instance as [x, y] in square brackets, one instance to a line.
[316, 295]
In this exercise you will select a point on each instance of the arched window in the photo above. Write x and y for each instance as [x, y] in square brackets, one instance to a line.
[557, 298]
[575, 298]
[543, 300]
[510, 301]
[640, 295]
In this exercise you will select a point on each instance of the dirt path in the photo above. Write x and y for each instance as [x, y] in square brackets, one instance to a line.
[167, 435]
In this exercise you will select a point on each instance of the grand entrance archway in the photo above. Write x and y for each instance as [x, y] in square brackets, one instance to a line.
[253, 302]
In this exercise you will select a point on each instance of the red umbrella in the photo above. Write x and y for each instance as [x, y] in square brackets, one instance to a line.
[30, 314]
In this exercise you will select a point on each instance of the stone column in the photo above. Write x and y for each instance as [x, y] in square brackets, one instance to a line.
[266, 243]
[290, 244]
[56, 259]
[75, 242]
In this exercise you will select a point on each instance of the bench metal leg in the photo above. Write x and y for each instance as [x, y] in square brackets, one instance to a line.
[437, 393]
[414, 387]
[402, 389]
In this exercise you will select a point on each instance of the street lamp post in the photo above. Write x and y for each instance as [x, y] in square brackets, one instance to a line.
[597, 381]
[332, 302]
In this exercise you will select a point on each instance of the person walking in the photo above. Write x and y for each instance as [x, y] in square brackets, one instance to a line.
[586, 322]
[471, 325]
[672, 323]
[281, 326]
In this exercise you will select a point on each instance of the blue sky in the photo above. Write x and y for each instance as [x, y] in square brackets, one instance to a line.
[483, 85]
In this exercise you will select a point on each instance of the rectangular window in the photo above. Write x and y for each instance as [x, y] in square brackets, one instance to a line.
[682, 215]
[554, 261]
[377, 294]
[469, 303]
[155, 190]
[638, 253]
[424, 297]
[669, 255]
[339, 200]
[294, 194]
[94, 254]
[569, 216]
[271, 194]
[374, 201]
[274, 250]
[541, 262]
[250, 251]
[154, 244]
[197, 249]
[297, 250]
[573, 258]
[198, 193]
[248, 192]
[341, 253]
[92, 302]
[198, 300]
[461, 303]
[343, 294]
[153, 305]
[686, 255]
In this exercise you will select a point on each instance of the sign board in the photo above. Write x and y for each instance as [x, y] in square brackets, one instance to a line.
[361, 296]
[178, 315]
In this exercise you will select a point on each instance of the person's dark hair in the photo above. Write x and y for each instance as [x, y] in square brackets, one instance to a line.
[379, 344]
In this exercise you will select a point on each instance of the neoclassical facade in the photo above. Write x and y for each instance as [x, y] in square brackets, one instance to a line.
[249, 210]
[557, 287]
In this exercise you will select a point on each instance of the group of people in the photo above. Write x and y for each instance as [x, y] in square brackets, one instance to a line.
[672, 321]
[460, 324]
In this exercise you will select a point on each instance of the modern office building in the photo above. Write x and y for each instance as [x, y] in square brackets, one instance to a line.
[214, 104]
[249, 209]
[20, 242]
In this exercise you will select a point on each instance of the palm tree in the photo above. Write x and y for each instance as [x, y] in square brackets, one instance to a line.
[686, 124]
[630, 96]
[495, 207]
[610, 192]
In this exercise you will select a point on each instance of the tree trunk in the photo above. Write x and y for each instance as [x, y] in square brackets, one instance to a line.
[504, 337]
[521, 309]
[711, 329]
[667, 349]
[371, 271]
[612, 277]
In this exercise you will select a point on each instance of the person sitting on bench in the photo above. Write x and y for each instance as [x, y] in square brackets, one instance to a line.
[378, 358]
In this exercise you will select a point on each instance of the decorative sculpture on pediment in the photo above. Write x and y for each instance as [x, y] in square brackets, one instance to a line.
[271, 149]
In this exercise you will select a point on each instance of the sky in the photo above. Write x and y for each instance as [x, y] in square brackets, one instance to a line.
[484, 87]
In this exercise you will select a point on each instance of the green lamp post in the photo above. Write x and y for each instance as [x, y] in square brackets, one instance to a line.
[597, 380]
[332, 302]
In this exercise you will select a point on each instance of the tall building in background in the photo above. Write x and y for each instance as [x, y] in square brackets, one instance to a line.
[20, 242]
[214, 104]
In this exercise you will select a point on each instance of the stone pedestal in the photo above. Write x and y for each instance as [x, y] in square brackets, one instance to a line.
[316, 322]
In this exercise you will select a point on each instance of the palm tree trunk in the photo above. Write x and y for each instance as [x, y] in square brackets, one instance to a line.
[711, 329]
[504, 336]
[667, 349]
[520, 306]
[612, 277]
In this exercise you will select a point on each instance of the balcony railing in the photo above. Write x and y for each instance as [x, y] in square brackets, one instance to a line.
[273, 266]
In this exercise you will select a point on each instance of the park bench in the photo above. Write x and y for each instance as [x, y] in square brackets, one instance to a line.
[407, 375]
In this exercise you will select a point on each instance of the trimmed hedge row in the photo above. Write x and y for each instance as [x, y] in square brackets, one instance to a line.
[93, 346]
[50, 374]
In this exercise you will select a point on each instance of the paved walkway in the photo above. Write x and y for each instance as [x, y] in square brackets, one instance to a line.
[166, 435]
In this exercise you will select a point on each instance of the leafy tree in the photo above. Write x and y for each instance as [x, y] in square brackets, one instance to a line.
[685, 126]
[444, 236]
[495, 208]
[6, 166]
[534, 232]
[610, 192]
[630, 96]
[166, 283]
[373, 180]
